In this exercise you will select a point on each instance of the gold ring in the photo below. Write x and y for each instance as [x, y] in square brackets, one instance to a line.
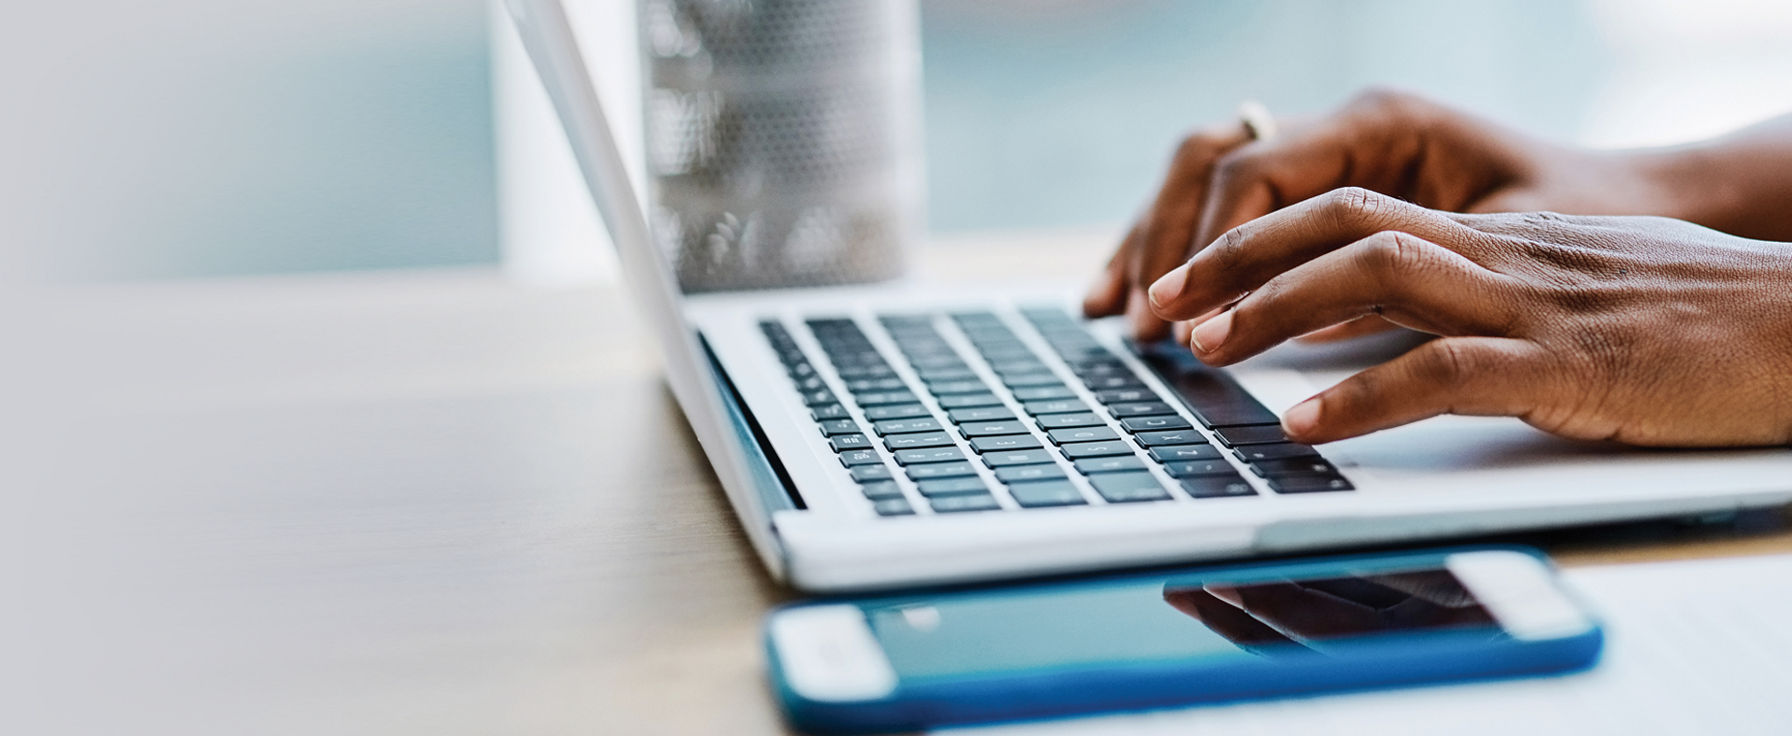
[1257, 120]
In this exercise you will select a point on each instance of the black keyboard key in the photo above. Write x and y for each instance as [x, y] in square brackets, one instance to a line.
[980, 414]
[1128, 487]
[1009, 351]
[880, 490]
[870, 473]
[892, 507]
[1078, 450]
[1092, 368]
[833, 427]
[928, 455]
[1139, 409]
[1082, 434]
[1054, 407]
[1217, 486]
[948, 388]
[1215, 398]
[931, 471]
[955, 504]
[898, 411]
[810, 383]
[1173, 453]
[1125, 396]
[985, 429]
[1171, 437]
[884, 398]
[951, 486]
[1154, 424]
[1044, 393]
[818, 398]
[1016, 457]
[1045, 493]
[1198, 468]
[945, 373]
[842, 443]
[825, 412]
[1112, 383]
[800, 370]
[1310, 483]
[854, 372]
[1024, 473]
[917, 439]
[1004, 442]
[899, 426]
[1019, 367]
[928, 362]
[962, 401]
[1285, 451]
[857, 385]
[1114, 464]
[1252, 434]
[859, 457]
[1294, 466]
[1025, 380]
[1064, 421]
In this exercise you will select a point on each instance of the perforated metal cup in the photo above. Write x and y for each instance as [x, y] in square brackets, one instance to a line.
[783, 139]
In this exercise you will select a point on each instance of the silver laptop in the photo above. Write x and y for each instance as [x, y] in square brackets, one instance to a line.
[898, 435]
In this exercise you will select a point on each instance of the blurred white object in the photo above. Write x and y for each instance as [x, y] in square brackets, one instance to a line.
[550, 231]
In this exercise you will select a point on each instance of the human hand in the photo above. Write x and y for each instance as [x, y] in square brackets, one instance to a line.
[1643, 330]
[1388, 142]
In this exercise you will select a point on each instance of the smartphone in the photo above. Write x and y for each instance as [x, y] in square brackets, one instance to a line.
[915, 661]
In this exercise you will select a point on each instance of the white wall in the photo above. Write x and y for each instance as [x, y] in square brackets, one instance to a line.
[196, 137]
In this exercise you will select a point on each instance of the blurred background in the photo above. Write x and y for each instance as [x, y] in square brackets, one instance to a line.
[200, 138]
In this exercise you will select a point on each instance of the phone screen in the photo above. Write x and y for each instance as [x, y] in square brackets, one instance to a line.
[1144, 621]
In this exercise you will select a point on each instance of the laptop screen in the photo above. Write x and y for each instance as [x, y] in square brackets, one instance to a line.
[548, 37]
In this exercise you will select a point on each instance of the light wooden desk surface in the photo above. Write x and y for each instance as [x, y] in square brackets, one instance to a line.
[423, 503]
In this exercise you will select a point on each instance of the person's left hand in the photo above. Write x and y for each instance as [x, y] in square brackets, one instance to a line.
[1643, 330]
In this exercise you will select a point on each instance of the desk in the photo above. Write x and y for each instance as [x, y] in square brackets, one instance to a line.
[422, 503]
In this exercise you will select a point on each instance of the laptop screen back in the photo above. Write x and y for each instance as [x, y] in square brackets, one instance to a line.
[547, 36]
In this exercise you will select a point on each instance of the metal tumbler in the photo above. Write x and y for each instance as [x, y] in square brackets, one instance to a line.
[783, 139]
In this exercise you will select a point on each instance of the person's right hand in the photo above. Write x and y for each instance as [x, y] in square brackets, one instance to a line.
[1388, 142]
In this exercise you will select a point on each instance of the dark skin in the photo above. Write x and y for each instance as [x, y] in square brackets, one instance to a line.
[1666, 321]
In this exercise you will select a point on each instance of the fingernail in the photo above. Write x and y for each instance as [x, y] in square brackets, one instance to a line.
[1301, 419]
[1169, 287]
[1210, 335]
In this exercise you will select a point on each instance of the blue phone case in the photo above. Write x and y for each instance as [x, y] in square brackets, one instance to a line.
[1370, 662]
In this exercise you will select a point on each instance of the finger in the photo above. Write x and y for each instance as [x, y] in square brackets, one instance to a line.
[1107, 296]
[1363, 326]
[1369, 143]
[1476, 376]
[1302, 613]
[1167, 231]
[1223, 618]
[1392, 275]
[1247, 256]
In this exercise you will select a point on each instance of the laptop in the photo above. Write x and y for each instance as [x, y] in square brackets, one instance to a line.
[898, 435]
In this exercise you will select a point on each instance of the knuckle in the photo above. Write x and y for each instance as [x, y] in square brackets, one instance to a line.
[1198, 147]
[1449, 363]
[1355, 208]
[1228, 251]
[1236, 168]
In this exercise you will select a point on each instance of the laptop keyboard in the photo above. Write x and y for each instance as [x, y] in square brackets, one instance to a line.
[1001, 427]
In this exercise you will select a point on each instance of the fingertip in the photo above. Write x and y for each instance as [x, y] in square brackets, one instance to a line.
[1301, 422]
[1104, 296]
